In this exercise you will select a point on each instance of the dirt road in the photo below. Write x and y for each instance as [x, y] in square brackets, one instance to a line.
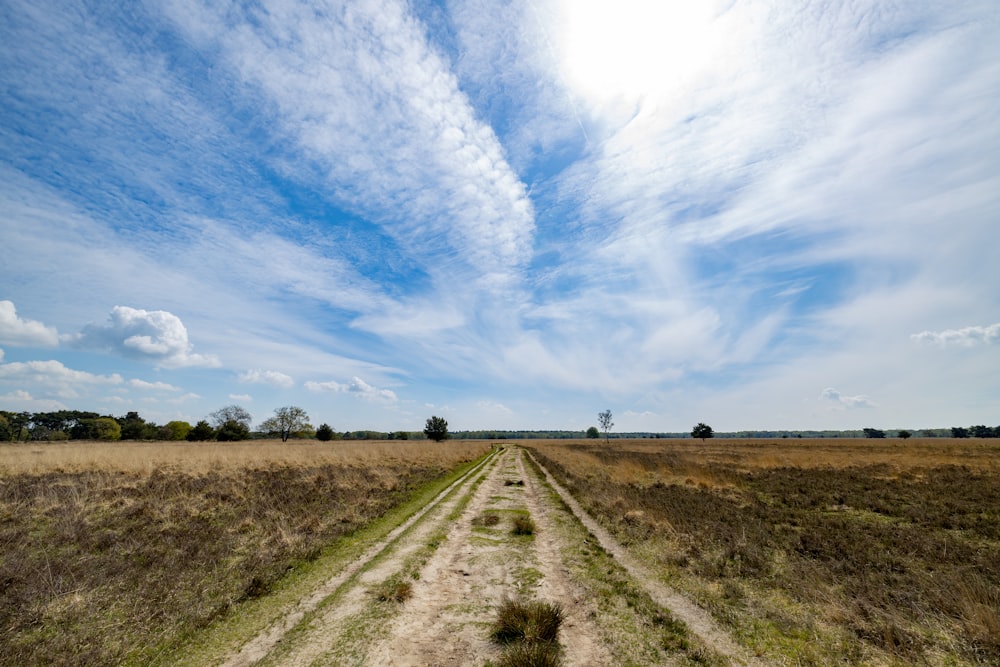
[427, 593]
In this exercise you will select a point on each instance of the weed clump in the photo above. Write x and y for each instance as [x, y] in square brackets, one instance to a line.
[486, 519]
[523, 525]
[393, 591]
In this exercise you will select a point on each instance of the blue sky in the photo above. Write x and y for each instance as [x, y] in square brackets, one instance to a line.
[512, 214]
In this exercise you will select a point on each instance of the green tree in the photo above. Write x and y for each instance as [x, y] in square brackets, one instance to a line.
[106, 428]
[604, 419]
[959, 432]
[232, 431]
[286, 422]
[324, 433]
[133, 426]
[175, 430]
[905, 435]
[874, 433]
[593, 433]
[703, 431]
[436, 429]
[201, 432]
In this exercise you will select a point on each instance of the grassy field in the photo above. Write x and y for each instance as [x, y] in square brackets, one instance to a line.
[813, 551]
[113, 553]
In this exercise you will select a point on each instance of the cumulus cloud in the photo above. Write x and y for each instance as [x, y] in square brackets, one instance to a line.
[258, 376]
[848, 402]
[241, 397]
[967, 337]
[356, 386]
[153, 335]
[18, 332]
[54, 376]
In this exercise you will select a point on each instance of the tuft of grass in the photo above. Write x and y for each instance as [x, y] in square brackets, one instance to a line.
[523, 525]
[530, 655]
[514, 482]
[393, 590]
[486, 519]
[529, 622]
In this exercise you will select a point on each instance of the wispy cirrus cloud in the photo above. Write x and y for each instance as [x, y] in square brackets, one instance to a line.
[380, 115]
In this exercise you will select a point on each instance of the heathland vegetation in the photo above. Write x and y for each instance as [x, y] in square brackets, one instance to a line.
[113, 553]
[813, 551]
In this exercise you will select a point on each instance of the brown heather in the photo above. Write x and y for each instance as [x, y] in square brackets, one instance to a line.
[110, 553]
[813, 551]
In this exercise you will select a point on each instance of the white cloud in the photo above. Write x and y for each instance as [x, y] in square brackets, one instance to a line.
[152, 386]
[848, 402]
[157, 336]
[20, 399]
[18, 332]
[258, 376]
[241, 397]
[967, 337]
[495, 407]
[54, 377]
[356, 386]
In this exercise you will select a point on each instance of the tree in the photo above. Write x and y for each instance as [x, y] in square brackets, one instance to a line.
[175, 430]
[201, 432]
[593, 433]
[604, 419]
[436, 429]
[286, 422]
[324, 433]
[134, 427]
[959, 432]
[231, 413]
[106, 428]
[905, 435]
[232, 431]
[703, 431]
[874, 433]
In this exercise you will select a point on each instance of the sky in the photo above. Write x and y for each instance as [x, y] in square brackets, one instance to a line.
[513, 214]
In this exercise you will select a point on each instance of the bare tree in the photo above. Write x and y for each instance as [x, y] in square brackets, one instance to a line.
[605, 420]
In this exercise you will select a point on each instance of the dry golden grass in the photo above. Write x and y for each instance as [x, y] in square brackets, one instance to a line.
[112, 552]
[814, 551]
[202, 457]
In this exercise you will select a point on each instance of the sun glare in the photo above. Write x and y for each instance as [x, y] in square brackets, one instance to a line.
[634, 48]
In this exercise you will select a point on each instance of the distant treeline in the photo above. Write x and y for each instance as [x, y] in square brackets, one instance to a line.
[82, 425]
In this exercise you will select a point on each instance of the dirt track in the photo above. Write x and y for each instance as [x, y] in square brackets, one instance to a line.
[458, 568]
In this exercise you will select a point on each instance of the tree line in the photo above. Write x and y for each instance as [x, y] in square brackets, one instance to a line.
[231, 423]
